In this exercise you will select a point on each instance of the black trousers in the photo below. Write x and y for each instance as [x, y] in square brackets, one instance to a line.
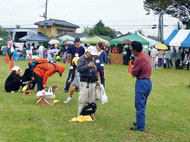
[177, 63]
[10, 55]
[124, 59]
[39, 82]
[12, 86]
[68, 81]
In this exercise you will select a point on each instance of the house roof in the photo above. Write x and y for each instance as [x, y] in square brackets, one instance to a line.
[118, 33]
[57, 22]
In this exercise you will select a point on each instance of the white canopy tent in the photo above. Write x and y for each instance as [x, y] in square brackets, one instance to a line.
[66, 38]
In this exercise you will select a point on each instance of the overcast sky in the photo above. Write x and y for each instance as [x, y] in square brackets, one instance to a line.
[121, 15]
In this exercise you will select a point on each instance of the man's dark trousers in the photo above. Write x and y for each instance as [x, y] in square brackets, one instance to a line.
[68, 82]
[39, 81]
[143, 88]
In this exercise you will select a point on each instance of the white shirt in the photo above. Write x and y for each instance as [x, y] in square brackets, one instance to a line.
[154, 52]
[41, 49]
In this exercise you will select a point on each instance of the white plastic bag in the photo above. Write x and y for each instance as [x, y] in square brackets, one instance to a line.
[48, 94]
[101, 94]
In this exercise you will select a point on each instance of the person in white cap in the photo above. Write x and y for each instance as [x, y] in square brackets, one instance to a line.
[13, 81]
[88, 78]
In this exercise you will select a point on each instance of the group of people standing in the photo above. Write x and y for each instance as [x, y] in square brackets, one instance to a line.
[83, 73]
[170, 58]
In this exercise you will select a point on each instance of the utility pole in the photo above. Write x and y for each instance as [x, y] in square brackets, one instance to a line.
[178, 26]
[161, 27]
[45, 16]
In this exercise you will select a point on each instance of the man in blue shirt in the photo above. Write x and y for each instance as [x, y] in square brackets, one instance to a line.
[75, 51]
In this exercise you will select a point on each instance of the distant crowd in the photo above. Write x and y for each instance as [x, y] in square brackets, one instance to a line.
[54, 52]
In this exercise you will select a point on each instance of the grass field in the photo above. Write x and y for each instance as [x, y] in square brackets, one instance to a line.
[168, 111]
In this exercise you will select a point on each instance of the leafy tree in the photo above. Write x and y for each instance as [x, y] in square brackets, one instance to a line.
[100, 29]
[176, 8]
[18, 26]
[2, 32]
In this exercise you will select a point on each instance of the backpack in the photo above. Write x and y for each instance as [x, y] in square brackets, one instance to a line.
[35, 62]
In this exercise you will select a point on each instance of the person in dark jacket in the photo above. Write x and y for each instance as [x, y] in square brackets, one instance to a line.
[107, 50]
[128, 53]
[100, 60]
[124, 55]
[28, 77]
[88, 78]
[75, 51]
[13, 82]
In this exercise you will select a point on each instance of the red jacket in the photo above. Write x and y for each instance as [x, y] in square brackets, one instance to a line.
[45, 70]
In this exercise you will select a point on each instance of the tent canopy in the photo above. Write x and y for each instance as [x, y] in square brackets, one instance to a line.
[34, 37]
[179, 38]
[151, 41]
[66, 38]
[95, 40]
[133, 37]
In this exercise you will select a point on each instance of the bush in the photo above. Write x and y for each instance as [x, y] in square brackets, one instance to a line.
[3, 44]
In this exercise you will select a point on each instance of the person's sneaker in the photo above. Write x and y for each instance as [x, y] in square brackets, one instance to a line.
[135, 129]
[12, 91]
[134, 123]
[65, 91]
[68, 100]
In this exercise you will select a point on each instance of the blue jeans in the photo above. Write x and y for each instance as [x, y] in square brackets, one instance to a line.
[160, 62]
[108, 58]
[143, 88]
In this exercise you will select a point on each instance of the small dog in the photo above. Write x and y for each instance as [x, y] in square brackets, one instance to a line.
[26, 89]
[54, 87]
[90, 109]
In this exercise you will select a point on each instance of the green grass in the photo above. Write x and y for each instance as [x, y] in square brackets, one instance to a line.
[168, 111]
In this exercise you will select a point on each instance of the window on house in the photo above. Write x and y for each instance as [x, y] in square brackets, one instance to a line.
[68, 30]
[59, 31]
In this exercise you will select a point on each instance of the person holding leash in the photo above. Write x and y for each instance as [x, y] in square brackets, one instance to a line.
[88, 78]
[43, 71]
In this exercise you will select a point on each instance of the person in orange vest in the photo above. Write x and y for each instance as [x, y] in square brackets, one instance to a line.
[43, 71]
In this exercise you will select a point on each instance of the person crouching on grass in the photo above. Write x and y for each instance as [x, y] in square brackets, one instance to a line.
[14, 80]
[75, 79]
[142, 71]
[88, 78]
[100, 60]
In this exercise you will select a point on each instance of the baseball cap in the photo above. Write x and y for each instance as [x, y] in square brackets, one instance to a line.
[92, 50]
[16, 68]
[77, 39]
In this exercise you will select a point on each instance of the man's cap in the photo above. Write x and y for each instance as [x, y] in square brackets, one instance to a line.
[77, 39]
[92, 50]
